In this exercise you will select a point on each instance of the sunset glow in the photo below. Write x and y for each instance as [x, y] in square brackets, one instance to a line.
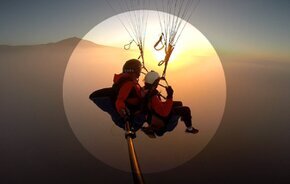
[191, 42]
[194, 71]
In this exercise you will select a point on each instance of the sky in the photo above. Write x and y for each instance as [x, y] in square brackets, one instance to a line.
[259, 27]
[251, 144]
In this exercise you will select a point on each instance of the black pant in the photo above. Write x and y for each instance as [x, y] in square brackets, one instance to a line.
[183, 112]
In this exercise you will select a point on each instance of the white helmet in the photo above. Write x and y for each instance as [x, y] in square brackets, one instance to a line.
[151, 77]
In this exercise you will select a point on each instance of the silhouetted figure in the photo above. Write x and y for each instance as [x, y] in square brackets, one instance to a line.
[123, 100]
[163, 116]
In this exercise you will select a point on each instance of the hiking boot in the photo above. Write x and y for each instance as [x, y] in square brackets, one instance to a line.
[192, 131]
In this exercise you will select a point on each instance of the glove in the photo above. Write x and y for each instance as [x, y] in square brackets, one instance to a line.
[169, 91]
[124, 113]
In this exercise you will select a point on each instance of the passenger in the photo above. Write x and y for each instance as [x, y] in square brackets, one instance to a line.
[163, 116]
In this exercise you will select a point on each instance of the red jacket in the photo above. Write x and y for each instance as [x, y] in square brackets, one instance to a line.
[129, 92]
[161, 108]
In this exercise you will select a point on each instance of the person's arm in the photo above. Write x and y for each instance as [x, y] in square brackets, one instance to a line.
[161, 108]
[122, 96]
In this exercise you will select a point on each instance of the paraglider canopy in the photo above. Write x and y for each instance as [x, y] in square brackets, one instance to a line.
[172, 23]
[134, 21]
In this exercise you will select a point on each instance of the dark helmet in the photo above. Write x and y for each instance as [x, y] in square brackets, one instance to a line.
[132, 66]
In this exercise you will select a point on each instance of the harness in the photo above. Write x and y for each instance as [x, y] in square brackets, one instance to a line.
[156, 121]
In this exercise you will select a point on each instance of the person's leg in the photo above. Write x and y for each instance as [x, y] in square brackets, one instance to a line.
[171, 122]
[177, 111]
[177, 104]
[185, 114]
[138, 120]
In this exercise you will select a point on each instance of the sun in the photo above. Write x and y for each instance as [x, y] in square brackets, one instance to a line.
[160, 55]
[190, 43]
